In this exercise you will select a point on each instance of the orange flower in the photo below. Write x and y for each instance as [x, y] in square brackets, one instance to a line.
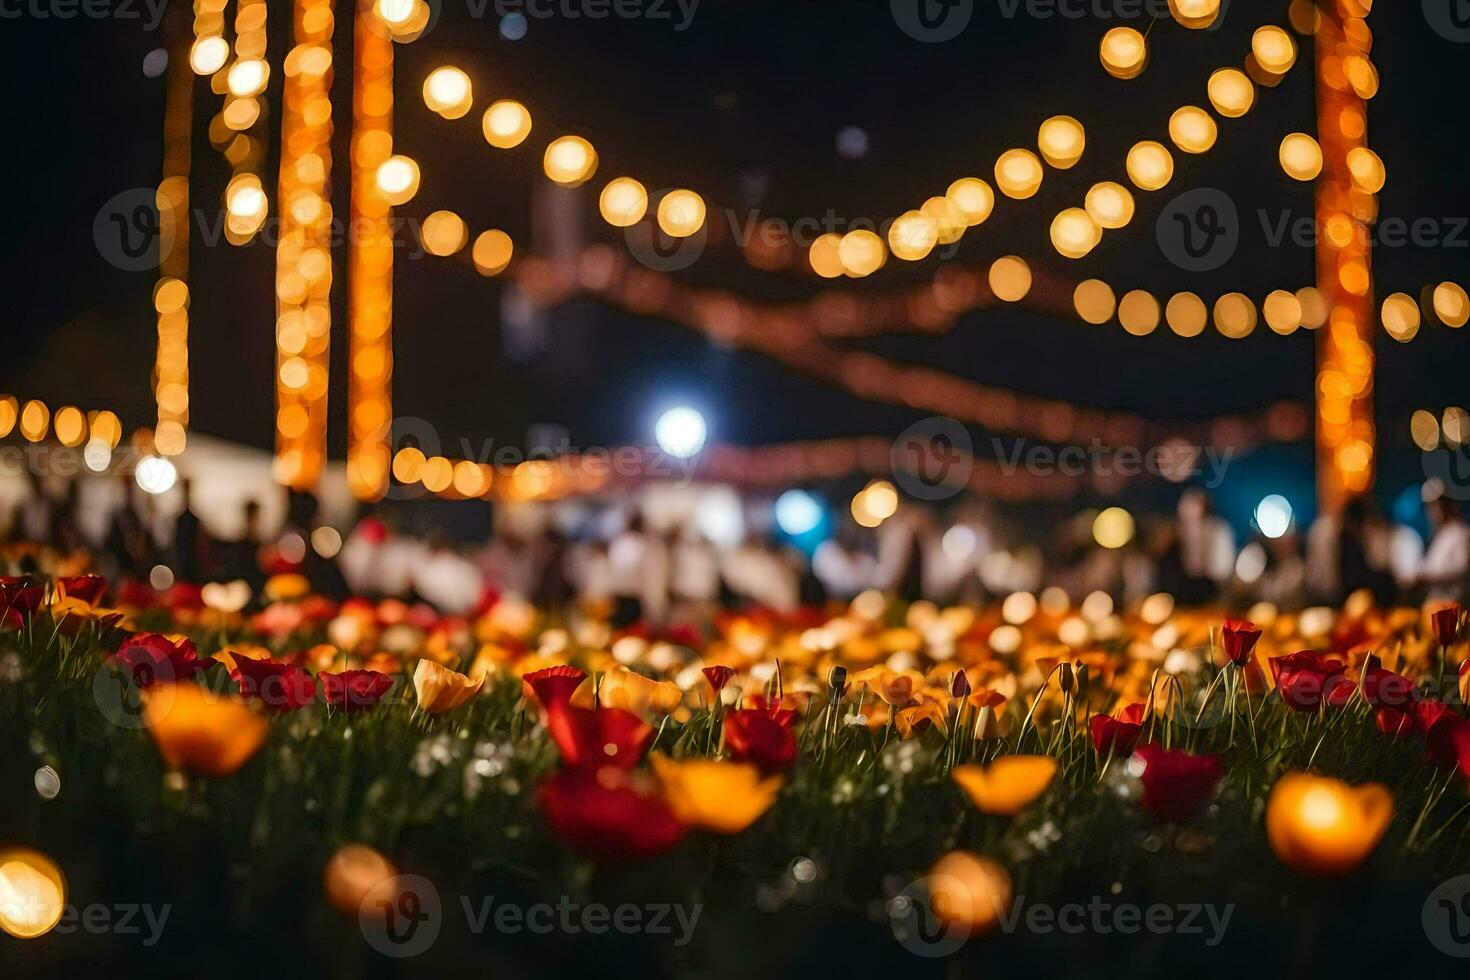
[440, 689]
[917, 719]
[969, 891]
[200, 731]
[1008, 785]
[286, 587]
[631, 691]
[722, 797]
[897, 689]
[1323, 826]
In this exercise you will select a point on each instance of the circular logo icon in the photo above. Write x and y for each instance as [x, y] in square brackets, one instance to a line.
[402, 916]
[933, 459]
[1447, 917]
[121, 701]
[932, 21]
[663, 253]
[129, 230]
[1450, 19]
[403, 432]
[1199, 230]
[1451, 469]
[915, 925]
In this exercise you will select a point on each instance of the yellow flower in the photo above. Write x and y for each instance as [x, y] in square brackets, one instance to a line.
[722, 797]
[1008, 785]
[200, 731]
[631, 691]
[1324, 826]
[440, 689]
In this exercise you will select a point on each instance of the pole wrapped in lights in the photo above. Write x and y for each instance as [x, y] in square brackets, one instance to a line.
[303, 255]
[1346, 204]
[370, 258]
[171, 294]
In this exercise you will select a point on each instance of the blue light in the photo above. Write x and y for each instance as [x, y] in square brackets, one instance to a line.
[798, 512]
[513, 26]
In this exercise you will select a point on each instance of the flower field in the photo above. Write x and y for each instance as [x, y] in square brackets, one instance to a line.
[892, 787]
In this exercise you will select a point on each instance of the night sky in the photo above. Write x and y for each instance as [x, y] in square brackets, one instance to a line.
[743, 106]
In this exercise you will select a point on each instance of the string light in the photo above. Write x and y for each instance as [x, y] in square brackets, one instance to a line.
[1018, 174]
[570, 161]
[913, 235]
[623, 202]
[1094, 301]
[1186, 314]
[1123, 52]
[1231, 92]
[1196, 15]
[973, 197]
[1110, 204]
[861, 253]
[1061, 140]
[1074, 233]
[1139, 313]
[1301, 157]
[492, 252]
[448, 92]
[681, 213]
[506, 124]
[1010, 278]
[397, 179]
[443, 233]
[1150, 166]
[1192, 129]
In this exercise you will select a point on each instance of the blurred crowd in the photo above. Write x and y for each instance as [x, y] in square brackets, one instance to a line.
[643, 562]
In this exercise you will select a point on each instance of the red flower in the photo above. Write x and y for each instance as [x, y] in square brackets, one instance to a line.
[1392, 721]
[554, 686]
[600, 812]
[1119, 734]
[355, 690]
[184, 596]
[1385, 689]
[153, 658]
[773, 709]
[1461, 740]
[87, 588]
[718, 677]
[1240, 636]
[1440, 726]
[761, 736]
[278, 685]
[1447, 623]
[598, 739]
[17, 598]
[684, 636]
[1175, 783]
[136, 595]
[1304, 678]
